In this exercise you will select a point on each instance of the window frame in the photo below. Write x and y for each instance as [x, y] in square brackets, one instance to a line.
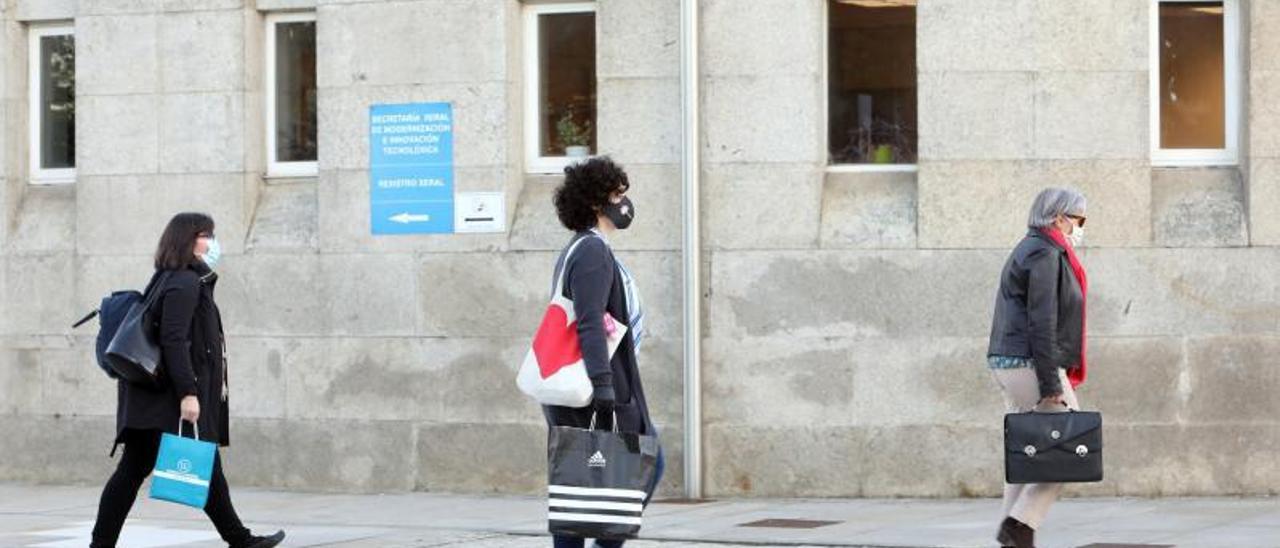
[37, 174]
[1233, 77]
[825, 127]
[535, 162]
[276, 168]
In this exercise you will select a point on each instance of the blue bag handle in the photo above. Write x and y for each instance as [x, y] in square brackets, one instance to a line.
[195, 427]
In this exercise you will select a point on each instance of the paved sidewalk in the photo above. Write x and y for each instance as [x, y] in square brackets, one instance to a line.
[60, 517]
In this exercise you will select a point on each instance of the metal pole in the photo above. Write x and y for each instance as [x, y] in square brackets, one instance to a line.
[692, 249]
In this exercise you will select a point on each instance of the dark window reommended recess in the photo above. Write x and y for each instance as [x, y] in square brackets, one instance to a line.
[295, 91]
[567, 82]
[1192, 76]
[872, 81]
[56, 102]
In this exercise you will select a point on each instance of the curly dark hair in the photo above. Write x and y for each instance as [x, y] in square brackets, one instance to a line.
[587, 186]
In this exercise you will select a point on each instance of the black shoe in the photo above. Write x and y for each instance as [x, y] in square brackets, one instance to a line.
[1003, 538]
[1015, 534]
[262, 542]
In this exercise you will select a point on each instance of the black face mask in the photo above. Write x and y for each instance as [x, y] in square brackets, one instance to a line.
[621, 213]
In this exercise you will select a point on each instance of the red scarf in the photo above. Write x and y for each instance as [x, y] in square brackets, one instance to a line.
[1076, 375]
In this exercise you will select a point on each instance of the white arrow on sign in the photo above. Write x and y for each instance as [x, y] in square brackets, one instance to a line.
[406, 218]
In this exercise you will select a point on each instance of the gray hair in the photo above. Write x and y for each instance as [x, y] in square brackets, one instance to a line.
[1053, 202]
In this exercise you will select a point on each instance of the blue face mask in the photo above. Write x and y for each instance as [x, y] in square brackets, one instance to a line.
[214, 254]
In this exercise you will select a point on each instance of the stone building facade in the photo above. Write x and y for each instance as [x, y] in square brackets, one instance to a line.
[845, 307]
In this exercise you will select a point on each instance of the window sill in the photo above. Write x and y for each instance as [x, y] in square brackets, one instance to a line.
[279, 176]
[275, 180]
[873, 168]
[52, 180]
[552, 165]
[292, 171]
[1194, 164]
[1193, 159]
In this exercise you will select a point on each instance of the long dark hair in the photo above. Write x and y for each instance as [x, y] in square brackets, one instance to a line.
[177, 245]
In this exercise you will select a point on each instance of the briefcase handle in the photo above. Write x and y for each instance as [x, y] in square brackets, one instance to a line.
[195, 427]
[1069, 410]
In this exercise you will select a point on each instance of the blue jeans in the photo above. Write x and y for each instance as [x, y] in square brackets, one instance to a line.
[560, 541]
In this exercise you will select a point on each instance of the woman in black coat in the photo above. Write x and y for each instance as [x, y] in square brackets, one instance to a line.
[193, 383]
[593, 204]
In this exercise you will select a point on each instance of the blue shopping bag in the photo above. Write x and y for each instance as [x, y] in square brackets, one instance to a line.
[183, 469]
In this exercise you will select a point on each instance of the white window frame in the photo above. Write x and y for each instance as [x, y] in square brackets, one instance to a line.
[535, 162]
[1232, 78]
[826, 111]
[41, 176]
[276, 168]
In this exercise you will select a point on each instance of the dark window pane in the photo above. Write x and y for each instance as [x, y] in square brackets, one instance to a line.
[872, 82]
[1192, 84]
[567, 76]
[57, 102]
[296, 92]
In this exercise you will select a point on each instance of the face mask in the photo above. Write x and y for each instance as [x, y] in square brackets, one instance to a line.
[621, 213]
[214, 254]
[1076, 236]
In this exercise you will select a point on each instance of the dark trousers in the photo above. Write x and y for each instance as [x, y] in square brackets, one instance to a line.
[561, 541]
[140, 450]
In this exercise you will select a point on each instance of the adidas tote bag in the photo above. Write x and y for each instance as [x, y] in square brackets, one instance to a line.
[597, 481]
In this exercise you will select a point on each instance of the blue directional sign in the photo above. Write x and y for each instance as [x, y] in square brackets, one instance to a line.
[411, 168]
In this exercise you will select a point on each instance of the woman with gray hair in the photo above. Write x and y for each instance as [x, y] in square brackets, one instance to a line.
[1037, 349]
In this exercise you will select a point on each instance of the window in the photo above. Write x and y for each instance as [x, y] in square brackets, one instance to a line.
[52, 100]
[560, 84]
[291, 95]
[871, 83]
[1195, 87]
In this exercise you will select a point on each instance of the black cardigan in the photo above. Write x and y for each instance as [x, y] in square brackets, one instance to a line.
[593, 282]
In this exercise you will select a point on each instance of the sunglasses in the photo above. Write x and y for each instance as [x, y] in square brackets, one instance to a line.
[1079, 218]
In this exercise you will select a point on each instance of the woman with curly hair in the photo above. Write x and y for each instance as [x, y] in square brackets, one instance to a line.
[592, 203]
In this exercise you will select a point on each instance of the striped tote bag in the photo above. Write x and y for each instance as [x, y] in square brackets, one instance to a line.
[597, 481]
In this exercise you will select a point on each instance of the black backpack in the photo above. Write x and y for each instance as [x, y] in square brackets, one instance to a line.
[111, 313]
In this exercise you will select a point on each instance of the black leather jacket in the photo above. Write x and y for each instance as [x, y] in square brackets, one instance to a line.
[1039, 310]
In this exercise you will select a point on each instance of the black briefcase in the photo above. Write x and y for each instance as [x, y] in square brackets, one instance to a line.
[1053, 447]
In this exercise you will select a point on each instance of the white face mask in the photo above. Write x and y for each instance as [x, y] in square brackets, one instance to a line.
[1076, 236]
[213, 254]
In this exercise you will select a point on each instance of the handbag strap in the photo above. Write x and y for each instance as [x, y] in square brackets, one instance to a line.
[564, 268]
[592, 426]
[154, 291]
[86, 318]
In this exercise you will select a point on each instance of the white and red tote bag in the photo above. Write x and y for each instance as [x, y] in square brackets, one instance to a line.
[553, 372]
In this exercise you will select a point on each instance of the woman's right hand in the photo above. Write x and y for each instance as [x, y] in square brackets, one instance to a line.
[1052, 399]
[603, 400]
[190, 409]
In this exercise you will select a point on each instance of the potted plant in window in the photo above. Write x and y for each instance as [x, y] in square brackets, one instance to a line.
[575, 137]
[883, 154]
